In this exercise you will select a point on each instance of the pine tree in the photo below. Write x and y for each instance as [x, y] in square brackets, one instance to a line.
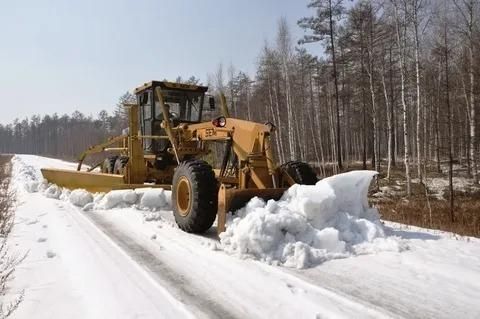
[323, 24]
[121, 113]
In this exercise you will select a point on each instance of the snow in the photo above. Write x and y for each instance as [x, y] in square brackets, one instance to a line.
[149, 199]
[53, 191]
[32, 186]
[311, 224]
[154, 199]
[115, 199]
[132, 261]
[29, 178]
[80, 197]
[439, 186]
[72, 269]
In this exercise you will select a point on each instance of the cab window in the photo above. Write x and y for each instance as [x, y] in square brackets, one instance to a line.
[146, 105]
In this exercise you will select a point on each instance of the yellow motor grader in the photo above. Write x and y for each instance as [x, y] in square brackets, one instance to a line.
[163, 147]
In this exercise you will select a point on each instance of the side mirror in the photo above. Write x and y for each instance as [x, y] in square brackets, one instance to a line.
[211, 102]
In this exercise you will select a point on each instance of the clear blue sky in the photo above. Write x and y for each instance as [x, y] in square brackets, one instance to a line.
[59, 56]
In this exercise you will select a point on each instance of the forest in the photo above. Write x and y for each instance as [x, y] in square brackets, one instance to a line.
[395, 90]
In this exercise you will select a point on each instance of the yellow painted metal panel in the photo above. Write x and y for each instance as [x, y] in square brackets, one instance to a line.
[93, 182]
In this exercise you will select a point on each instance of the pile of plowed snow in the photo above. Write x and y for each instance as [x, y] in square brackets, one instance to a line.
[311, 224]
[307, 226]
[150, 199]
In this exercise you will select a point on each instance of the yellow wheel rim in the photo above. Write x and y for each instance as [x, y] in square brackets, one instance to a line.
[183, 191]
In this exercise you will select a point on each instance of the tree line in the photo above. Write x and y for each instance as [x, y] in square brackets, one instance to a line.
[396, 86]
[65, 136]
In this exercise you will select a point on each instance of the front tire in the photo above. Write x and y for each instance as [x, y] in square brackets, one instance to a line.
[108, 166]
[300, 172]
[194, 196]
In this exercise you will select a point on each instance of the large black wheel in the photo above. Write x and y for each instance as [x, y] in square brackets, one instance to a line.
[120, 165]
[109, 165]
[194, 196]
[302, 173]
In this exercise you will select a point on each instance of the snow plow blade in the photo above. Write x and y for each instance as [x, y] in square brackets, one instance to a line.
[90, 181]
[230, 199]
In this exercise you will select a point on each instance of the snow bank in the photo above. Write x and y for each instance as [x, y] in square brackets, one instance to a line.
[53, 191]
[153, 199]
[27, 177]
[307, 226]
[118, 198]
[80, 197]
[310, 224]
[148, 199]
[32, 186]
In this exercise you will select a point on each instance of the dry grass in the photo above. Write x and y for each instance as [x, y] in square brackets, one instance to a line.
[416, 212]
[6, 196]
[8, 261]
[416, 209]
[432, 213]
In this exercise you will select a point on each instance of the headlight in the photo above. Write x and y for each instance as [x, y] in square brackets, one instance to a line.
[219, 121]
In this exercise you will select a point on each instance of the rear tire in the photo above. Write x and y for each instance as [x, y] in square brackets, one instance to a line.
[194, 196]
[109, 165]
[300, 172]
[120, 165]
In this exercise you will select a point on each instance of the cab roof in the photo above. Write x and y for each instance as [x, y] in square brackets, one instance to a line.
[171, 86]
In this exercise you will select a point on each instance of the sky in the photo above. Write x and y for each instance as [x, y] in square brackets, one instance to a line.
[61, 56]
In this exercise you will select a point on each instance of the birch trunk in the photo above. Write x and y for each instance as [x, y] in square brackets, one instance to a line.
[364, 117]
[389, 125]
[376, 155]
[450, 127]
[401, 53]
[290, 117]
[417, 75]
[312, 124]
[473, 154]
[391, 116]
[334, 62]
[370, 72]
[319, 125]
[277, 109]
[276, 121]
[437, 120]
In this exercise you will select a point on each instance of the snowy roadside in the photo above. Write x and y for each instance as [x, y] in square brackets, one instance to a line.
[306, 227]
[73, 270]
[371, 275]
[437, 187]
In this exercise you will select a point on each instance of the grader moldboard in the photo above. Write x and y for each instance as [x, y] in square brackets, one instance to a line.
[163, 145]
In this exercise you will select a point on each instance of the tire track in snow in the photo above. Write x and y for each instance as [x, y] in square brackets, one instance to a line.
[295, 283]
[174, 282]
[91, 276]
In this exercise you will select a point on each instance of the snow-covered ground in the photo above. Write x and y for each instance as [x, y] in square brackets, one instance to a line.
[320, 252]
[437, 187]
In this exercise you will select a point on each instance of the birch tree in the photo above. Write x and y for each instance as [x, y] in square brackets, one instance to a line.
[323, 24]
[468, 10]
[400, 29]
[285, 50]
[415, 8]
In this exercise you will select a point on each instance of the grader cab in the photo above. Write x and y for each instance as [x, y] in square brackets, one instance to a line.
[166, 145]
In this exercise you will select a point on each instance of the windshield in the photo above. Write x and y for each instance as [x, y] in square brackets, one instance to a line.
[183, 105]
